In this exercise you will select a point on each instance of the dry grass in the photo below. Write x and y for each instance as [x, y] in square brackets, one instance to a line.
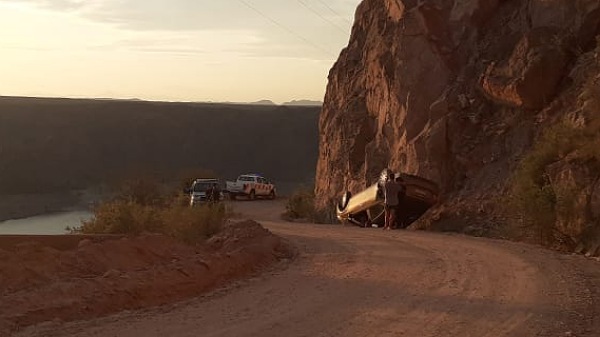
[140, 207]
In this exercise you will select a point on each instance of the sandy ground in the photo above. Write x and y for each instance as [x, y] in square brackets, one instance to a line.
[67, 278]
[367, 282]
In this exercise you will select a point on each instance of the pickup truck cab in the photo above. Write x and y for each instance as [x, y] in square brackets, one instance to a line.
[251, 186]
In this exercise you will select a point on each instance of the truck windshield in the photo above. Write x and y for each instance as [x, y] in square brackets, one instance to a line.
[201, 186]
[245, 178]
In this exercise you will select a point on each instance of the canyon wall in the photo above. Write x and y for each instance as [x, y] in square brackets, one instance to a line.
[462, 92]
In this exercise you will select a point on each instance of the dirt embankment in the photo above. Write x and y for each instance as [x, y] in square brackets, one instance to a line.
[356, 282]
[67, 278]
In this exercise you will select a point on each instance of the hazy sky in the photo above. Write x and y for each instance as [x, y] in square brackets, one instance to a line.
[181, 50]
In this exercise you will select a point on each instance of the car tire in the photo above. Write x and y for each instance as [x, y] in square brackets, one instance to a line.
[272, 195]
[252, 195]
[345, 200]
[232, 196]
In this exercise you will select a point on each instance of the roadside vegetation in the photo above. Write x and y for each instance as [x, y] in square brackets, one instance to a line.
[141, 205]
[532, 196]
[301, 207]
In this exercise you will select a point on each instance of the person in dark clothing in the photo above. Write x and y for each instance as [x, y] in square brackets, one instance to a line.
[399, 212]
[209, 194]
[391, 192]
[216, 193]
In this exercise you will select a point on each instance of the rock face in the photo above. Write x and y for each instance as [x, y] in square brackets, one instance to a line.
[456, 91]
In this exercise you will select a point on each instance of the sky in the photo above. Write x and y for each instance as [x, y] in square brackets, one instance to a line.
[173, 50]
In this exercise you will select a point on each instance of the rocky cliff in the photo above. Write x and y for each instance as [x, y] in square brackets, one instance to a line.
[492, 99]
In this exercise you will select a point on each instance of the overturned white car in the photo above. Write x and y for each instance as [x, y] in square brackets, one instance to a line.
[366, 208]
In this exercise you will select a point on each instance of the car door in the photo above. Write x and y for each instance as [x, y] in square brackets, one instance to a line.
[268, 187]
[260, 186]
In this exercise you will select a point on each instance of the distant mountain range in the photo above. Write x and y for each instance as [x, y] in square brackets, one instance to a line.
[302, 102]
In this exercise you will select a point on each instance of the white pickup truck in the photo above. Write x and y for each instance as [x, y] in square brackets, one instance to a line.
[251, 186]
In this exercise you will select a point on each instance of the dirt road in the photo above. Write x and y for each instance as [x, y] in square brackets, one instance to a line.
[367, 282]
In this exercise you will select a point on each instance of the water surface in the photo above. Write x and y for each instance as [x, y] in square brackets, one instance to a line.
[51, 224]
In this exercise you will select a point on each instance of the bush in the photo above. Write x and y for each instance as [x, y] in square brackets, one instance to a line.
[301, 206]
[194, 224]
[532, 197]
[134, 211]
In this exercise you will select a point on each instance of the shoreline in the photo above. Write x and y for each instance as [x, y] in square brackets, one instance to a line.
[22, 206]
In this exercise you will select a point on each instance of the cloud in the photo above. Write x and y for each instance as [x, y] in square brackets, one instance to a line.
[61, 5]
[311, 28]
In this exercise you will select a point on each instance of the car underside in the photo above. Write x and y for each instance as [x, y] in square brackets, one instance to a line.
[366, 207]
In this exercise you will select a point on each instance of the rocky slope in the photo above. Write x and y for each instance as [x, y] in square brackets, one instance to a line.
[492, 99]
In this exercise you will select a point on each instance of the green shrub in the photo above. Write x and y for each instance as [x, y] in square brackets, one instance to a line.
[134, 212]
[301, 206]
[532, 197]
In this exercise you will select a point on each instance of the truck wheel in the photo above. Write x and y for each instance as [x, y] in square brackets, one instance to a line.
[272, 195]
[232, 196]
[252, 195]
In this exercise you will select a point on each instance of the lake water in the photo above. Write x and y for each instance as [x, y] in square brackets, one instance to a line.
[52, 224]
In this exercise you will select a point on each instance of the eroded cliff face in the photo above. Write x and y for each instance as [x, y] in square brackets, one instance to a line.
[458, 91]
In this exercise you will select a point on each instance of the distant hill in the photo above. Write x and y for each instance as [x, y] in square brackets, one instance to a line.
[263, 102]
[49, 145]
[303, 102]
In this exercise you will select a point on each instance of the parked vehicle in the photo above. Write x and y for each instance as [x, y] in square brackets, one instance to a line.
[366, 208]
[251, 186]
[198, 190]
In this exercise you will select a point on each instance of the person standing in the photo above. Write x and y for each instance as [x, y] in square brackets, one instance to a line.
[391, 192]
[209, 194]
[216, 193]
[399, 211]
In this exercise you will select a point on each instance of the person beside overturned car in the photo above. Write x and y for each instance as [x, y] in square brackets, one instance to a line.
[393, 192]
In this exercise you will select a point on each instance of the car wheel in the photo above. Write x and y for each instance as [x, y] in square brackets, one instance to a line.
[345, 200]
[232, 196]
[272, 195]
[252, 195]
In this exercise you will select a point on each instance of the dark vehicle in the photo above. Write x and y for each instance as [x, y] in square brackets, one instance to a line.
[198, 190]
[366, 208]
